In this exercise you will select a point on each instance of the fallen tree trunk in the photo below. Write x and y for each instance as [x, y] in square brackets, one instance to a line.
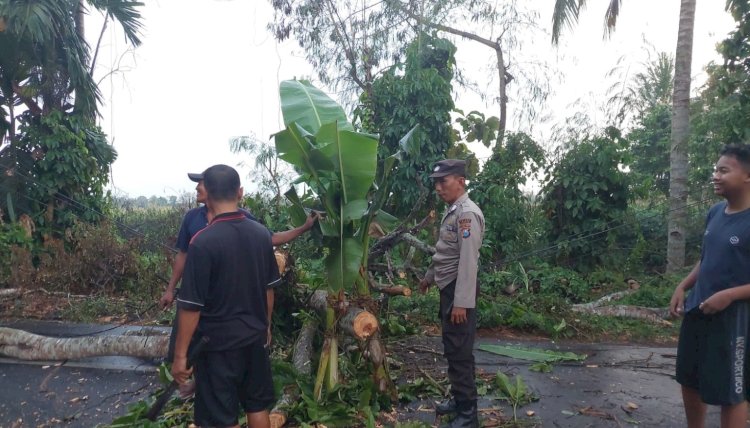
[402, 234]
[302, 352]
[605, 299]
[28, 346]
[657, 315]
[301, 359]
[9, 292]
[357, 322]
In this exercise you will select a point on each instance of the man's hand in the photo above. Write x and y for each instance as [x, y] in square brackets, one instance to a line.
[677, 304]
[458, 315]
[180, 372]
[166, 299]
[310, 221]
[424, 285]
[268, 337]
[716, 303]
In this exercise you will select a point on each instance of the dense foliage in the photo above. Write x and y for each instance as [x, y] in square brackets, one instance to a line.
[585, 195]
[417, 92]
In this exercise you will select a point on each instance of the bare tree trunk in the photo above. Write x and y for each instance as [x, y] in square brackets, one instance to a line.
[98, 45]
[80, 14]
[678, 160]
[503, 97]
[27, 346]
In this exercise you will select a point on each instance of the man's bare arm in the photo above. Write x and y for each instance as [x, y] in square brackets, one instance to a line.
[178, 266]
[187, 322]
[281, 238]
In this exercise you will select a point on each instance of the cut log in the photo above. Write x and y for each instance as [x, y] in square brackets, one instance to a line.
[391, 291]
[282, 259]
[278, 415]
[395, 291]
[28, 346]
[357, 322]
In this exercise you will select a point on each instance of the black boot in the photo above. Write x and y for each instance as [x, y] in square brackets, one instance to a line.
[467, 416]
[446, 407]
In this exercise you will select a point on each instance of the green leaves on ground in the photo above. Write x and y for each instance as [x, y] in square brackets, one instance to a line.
[514, 391]
[538, 355]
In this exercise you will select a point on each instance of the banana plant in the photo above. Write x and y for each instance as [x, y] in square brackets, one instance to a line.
[340, 166]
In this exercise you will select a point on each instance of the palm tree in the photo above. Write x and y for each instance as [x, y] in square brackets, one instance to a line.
[643, 91]
[44, 59]
[565, 15]
[567, 11]
[678, 158]
[46, 89]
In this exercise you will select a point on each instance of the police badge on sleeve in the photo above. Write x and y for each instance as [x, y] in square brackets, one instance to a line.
[464, 225]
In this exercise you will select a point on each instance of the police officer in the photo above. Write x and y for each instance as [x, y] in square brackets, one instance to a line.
[454, 270]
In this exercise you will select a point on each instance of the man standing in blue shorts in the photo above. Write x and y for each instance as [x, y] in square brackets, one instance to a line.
[229, 272]
[712, 363]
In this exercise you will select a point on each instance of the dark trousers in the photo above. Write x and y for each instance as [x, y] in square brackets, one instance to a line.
[458, 347]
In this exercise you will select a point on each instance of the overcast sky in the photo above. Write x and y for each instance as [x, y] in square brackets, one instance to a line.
[209, 70]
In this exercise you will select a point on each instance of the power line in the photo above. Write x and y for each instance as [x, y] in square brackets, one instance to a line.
[575, 238]
[64, 198]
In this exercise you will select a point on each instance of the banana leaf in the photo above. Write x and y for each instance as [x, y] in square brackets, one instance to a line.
[354, 156]
[309, 107]
[297, 211]
[540, 355]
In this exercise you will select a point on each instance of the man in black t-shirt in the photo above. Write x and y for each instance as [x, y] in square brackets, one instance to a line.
[227, 295]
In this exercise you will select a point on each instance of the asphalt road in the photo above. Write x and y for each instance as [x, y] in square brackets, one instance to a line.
[616, 386]
[83, 393]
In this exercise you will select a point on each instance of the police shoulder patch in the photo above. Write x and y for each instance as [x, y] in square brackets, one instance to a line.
[466, 233]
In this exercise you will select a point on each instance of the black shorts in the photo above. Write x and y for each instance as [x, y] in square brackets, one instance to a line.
[711, 354]
[226, 380]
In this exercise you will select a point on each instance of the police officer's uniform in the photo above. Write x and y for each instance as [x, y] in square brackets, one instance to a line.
[454, 269]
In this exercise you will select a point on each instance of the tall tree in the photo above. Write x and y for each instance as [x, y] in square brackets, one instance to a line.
[416, 93]
[645, 90]
[49, 102]
[565, 14]
[351, 43]
[678, 159]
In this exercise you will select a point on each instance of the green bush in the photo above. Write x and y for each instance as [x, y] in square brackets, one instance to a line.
[559, 281]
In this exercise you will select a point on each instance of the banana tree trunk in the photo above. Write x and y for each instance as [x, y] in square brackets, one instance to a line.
[356, 322]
